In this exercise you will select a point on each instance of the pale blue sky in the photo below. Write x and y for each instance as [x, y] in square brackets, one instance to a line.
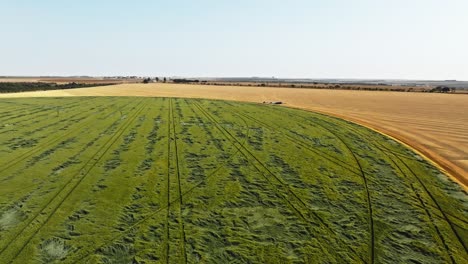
[407, 39]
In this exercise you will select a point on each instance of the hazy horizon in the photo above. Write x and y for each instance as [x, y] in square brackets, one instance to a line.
[363, 39]
[226, 77]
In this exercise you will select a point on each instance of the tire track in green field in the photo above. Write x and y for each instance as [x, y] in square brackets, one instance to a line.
[385, 151]
[36, 126]
[67, 183]
[81, 151]
[73, 118]
[283, 185]
[41, 150]
[19, 114]
[120, 132]
[186, 194]
[250, 156]
[14, 110]
[33, 112]
[437, 205]
[423, 205]
[84, 172]
[321, 154]
[362, 174]
[428, 213]
[48, 120]
[176, 152]
[168, 205]
[448, 214]
[22, 156]
[27, 119]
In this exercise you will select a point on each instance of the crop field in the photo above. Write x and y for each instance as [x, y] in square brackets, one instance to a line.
[161, 180]
[432, 123]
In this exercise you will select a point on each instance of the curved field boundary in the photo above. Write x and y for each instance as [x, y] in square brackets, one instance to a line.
[299, 98]
[295, 140]
[96, 158]
[451, 170]
[384, 150]
[381, 149]
[392, 156]
[249, 156]
[439, 208]
[429, 215]
[447, 167]
[326, 101]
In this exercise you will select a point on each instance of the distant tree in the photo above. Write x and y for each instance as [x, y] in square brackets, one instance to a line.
[440, 89]
[157, 79]
[6, 87]
[146, 80]
[164, 80]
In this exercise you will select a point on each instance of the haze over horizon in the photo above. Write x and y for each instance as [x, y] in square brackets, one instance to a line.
[362, 39]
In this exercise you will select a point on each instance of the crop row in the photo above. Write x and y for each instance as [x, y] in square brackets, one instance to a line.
[184, 180]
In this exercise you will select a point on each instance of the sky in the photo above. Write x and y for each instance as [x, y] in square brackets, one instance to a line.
[372, 39]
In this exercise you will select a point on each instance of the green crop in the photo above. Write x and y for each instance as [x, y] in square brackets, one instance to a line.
[143, 180]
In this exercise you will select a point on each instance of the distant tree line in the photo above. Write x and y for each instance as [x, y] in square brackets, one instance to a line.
[341, 86]
[442, 89]
[15, 87]
[185, 81]
[177, 80]
[155, 79]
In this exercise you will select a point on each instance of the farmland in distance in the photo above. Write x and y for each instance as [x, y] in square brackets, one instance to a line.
[143, 180]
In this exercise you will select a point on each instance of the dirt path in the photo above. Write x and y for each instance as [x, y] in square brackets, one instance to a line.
[434, 124]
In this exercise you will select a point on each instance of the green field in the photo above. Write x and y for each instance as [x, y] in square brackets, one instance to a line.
[157, 180]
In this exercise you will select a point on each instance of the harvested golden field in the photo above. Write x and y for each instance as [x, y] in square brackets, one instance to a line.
[434, 124]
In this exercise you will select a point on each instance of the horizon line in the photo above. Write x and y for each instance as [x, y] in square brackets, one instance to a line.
[233, 77]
